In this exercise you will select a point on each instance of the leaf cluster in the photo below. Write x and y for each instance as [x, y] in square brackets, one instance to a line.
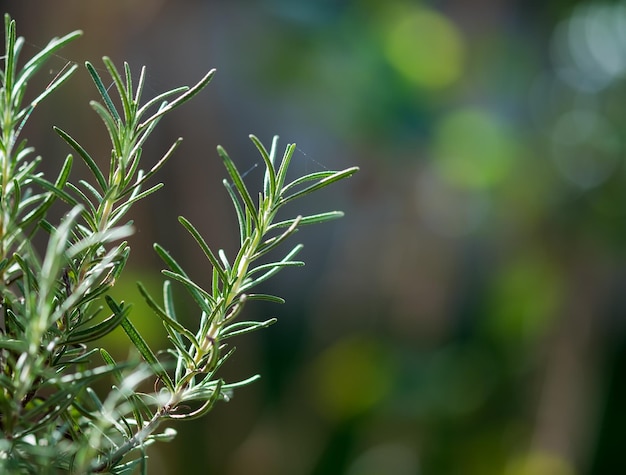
[55, 307]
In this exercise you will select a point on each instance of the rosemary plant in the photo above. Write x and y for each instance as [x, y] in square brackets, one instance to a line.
[55, 305]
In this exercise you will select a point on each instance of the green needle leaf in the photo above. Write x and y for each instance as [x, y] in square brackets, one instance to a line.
[204, 246]
[162, 314]
[141, 345]
[125, 96]
[270, 177]
[312, 219]
[239, 184]
[331, 178]
[182, 98]
[97, 331]
[241, 328]
[103, 91]
[90, 162]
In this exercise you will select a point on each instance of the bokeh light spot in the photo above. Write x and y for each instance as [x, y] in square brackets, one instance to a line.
[525, 298]
[590, 46]
[539, 463]
[585, 148]
[352, 377]
[474, 149]
[425, 47]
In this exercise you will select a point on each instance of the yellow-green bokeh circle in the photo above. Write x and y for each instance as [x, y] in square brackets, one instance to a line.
[424, 47]
[474, 149]
[352, 377]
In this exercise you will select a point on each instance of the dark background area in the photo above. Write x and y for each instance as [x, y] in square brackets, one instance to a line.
[467, 314]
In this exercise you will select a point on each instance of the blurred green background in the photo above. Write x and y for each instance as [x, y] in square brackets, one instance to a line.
[467, 315]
